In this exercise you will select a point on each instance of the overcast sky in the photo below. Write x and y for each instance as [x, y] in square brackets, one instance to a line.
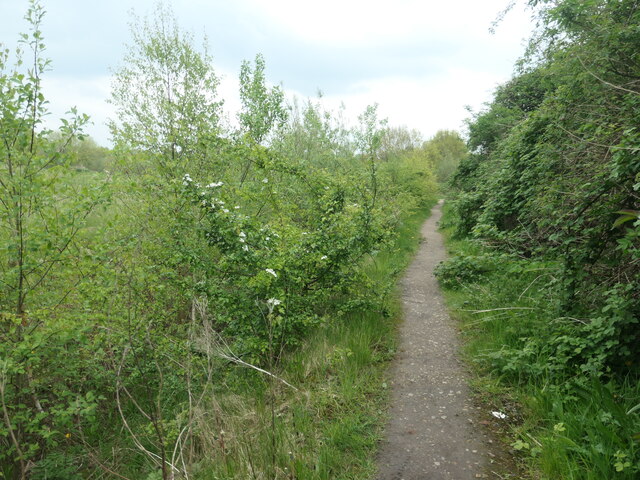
[423, 61]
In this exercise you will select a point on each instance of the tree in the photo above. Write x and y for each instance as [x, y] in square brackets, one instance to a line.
[262, 107]
[42, 214]
[165, 96]
[396, 140]
[445, 150]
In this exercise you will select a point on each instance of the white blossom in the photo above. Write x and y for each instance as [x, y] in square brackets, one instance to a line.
[215, 184]
[225, 210]
[324, 257]
[265, 180]
[274, 301]
[186, 180]
[245, 248]
[271, 271]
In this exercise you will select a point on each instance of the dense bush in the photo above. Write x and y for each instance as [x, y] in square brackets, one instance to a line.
[555, 165]
[553, 181]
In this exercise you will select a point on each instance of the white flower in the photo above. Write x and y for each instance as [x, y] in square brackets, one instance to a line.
[326, 188]
[499, 415]
[237, 207]
[265, 180]
[245, 248]
[268, 238]
[242, 234]
[186, 180]
[225, 210]
[271, 271]
[274, 301]
[215, 184]
[324, 257]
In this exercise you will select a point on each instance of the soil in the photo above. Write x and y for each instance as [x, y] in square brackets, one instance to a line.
[435, 430]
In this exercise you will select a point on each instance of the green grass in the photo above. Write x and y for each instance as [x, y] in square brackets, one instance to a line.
[329, 428]
[559, 427]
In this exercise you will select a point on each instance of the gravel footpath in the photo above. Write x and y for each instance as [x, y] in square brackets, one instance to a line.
[432, 433]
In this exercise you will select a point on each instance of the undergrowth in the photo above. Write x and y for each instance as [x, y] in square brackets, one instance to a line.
[327, 423]
[564, 420]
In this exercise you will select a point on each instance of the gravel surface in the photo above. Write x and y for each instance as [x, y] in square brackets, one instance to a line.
[432, 432]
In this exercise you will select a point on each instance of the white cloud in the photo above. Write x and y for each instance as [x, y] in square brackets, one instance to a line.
[427, 105]
[357, 23]
[421, 60]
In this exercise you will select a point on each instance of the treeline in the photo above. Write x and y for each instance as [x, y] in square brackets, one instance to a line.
[150, 290]
[552, 192]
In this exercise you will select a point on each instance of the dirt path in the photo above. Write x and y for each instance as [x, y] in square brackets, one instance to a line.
[432, 433]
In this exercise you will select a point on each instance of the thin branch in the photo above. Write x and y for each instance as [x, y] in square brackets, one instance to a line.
[617, 87]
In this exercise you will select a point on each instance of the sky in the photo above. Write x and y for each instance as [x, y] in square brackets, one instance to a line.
[422, 61]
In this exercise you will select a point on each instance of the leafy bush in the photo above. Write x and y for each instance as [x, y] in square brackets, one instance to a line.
[455, 271]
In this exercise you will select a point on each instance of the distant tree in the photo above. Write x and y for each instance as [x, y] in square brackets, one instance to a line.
[85, 153]
[263, 107]
[445, 150]
[397, 140]
[165, 95]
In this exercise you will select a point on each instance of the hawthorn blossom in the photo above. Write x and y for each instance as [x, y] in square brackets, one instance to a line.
[271, 271]
[186, 180]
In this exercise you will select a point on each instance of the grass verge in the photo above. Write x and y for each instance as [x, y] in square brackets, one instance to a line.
[558, 426]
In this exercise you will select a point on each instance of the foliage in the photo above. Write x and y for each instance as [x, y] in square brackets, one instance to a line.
[550, 180]
[165, 96]
[44, 215]
[553, 182]
[140, 285]
[458, 270]
[445, 150]
[262, 107]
